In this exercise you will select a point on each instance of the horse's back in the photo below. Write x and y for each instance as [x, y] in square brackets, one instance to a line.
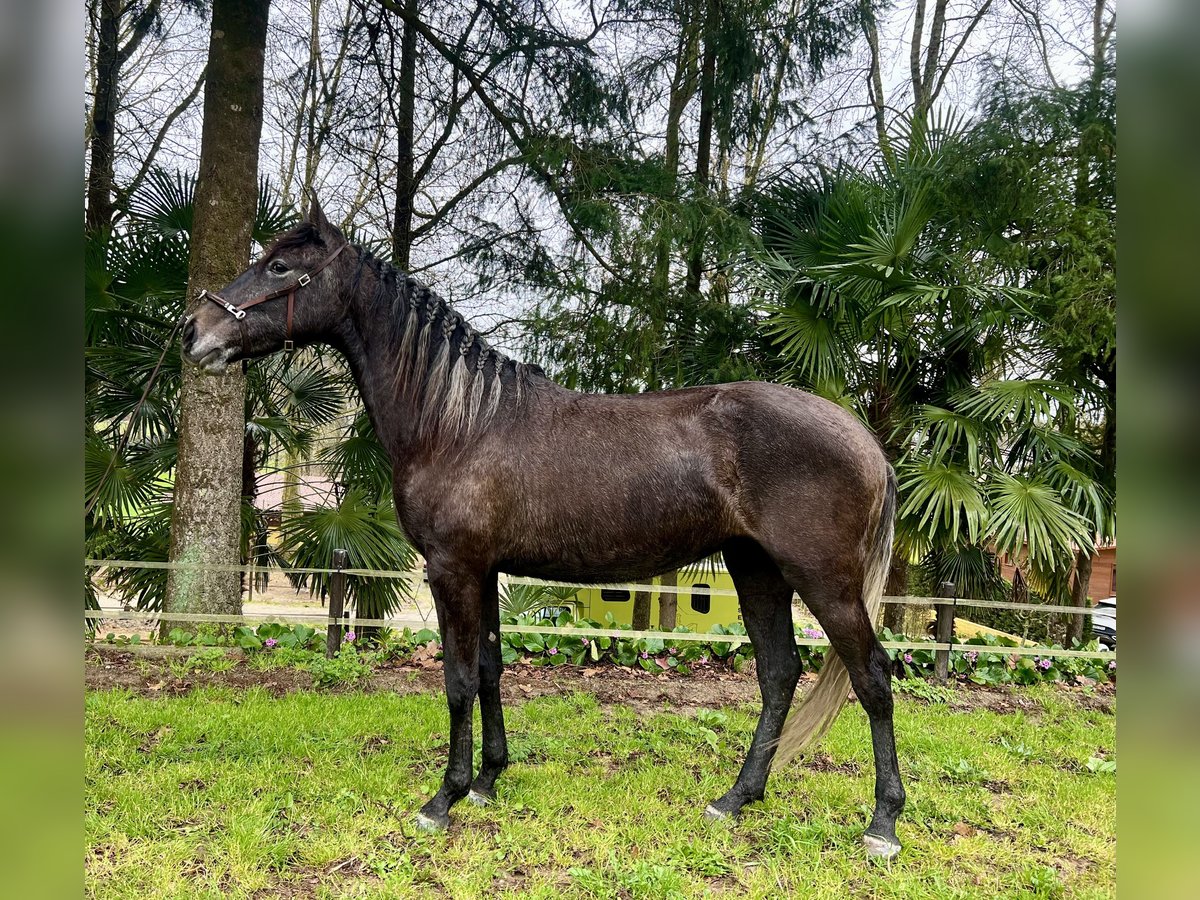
[596, 487]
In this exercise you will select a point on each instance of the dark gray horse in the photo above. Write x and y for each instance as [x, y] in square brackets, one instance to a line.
[498, 469]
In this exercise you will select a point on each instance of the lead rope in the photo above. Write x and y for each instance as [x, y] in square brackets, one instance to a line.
[87, 511]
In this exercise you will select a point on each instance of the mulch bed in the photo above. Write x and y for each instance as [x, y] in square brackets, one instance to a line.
[146, 671]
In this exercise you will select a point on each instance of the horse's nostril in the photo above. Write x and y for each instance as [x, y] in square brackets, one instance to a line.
[189, 334]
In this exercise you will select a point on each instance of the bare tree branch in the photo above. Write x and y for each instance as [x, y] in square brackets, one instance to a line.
[141, 27]
[975, 20]
[512, 126]
[123, 194]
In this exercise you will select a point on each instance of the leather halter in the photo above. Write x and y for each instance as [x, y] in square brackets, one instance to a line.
[239, 311]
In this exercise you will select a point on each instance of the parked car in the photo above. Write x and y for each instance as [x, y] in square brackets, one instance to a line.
[1104, 622]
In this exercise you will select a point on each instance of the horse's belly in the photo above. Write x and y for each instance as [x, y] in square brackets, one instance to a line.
[609, 543]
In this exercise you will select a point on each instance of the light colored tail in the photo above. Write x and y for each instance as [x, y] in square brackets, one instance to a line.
[819, 708]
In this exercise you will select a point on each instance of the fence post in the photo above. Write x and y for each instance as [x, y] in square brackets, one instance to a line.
[337, 598]
[945, 630]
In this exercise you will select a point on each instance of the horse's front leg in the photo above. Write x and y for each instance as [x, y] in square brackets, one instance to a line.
[456, 594]
[491, 713]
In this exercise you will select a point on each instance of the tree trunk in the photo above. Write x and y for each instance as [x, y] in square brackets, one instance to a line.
[685, 339]
[708, 70]
[641, 610]
[682, 89]
[668, 601]
[110, 59]
[897, 586]
[248, 494]
[875, 90]
[104, 112]
[206, 520]
[405, 182]
[1076, 624]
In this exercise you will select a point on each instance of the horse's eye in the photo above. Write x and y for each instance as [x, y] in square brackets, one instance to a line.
[279, 267]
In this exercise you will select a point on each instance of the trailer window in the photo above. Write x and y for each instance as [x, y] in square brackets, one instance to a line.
[613, 596]
[701, 598]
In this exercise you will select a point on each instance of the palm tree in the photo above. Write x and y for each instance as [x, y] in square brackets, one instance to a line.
[882, 304]
[1039, 174]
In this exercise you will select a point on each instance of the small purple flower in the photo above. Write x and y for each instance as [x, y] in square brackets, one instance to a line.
[704, 660]
[908, 657]
[645, 655]
[814, 634]
[349, 639]
[585, 641]
[553, 651]
[1112, 665]
[972, 655]
[1045, 663]
[270, 642]
[673, 651]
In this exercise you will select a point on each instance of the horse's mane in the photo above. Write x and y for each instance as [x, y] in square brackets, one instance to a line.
[446, 373]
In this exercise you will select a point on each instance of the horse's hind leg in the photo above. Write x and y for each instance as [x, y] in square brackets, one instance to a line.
[766, 601]
[491, 713]
[837, 604]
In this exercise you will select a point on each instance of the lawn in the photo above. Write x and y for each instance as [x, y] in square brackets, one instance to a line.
[234, 792]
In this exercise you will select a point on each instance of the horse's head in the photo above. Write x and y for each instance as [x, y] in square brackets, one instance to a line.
[289, 297]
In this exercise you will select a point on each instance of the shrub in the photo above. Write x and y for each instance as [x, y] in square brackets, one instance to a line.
[267, 636]
[984, 661]
[346, 667]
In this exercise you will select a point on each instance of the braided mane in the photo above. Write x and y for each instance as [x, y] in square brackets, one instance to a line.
[448, 376]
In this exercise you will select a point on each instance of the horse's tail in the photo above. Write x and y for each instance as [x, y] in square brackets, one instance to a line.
[819, 708]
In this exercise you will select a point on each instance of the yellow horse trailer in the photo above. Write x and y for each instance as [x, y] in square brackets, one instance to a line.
[705, 598]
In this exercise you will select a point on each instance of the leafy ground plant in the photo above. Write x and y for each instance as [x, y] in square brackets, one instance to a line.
[347, 667]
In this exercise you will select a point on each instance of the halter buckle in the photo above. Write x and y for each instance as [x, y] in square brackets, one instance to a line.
[223, 303]
[289, 346]
[303, 280]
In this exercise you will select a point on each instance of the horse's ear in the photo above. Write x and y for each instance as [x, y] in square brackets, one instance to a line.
[316, 215]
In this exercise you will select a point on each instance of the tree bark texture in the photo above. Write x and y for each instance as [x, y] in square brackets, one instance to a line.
[406, 182]
[104, 113]
[708, 75]
[206, 520]
[682, 89]
[897, 586]
[1077, 625]
[641, 611]
[668, 601]
[111, 57]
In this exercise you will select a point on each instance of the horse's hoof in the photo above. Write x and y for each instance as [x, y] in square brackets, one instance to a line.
[430, 825]
[717, 815]
[478, 799]
[880, 849]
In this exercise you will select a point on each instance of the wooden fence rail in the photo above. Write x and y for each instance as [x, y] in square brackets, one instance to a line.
[946, 604]
[417, 575]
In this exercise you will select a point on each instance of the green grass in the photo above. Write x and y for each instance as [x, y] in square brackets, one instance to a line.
[224, 793]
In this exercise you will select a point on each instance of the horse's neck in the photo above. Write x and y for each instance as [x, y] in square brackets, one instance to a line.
[368, 342]
[366, 351]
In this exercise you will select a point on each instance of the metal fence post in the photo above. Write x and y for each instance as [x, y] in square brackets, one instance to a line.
[337, 598]
[945, 630]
